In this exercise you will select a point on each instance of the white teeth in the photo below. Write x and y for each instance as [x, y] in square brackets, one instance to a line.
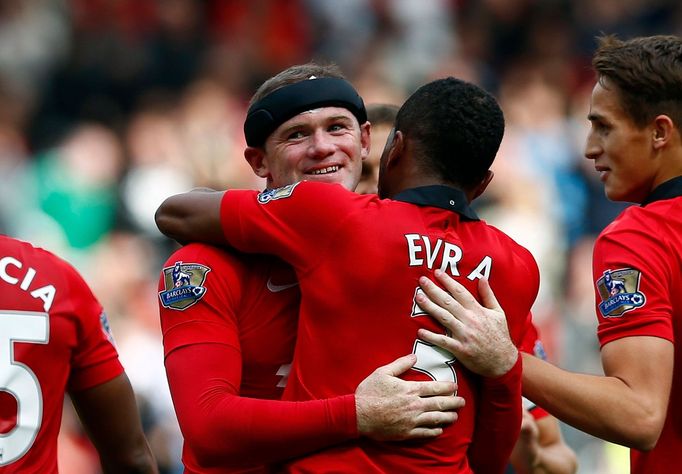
[328, 169]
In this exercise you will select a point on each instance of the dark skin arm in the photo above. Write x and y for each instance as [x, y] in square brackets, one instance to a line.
[192, 216]
[110, 417]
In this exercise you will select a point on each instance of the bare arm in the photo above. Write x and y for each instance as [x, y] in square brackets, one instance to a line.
[623, 407]
[192, 217]
[541, 448]
[110, 417]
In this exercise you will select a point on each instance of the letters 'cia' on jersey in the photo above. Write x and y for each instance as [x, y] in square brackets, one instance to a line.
[53, 338]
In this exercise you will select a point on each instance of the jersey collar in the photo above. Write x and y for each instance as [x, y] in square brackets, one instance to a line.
[444, 197]
[668, 190]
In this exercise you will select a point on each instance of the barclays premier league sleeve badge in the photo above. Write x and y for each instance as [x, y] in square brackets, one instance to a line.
[277, 193]
[619, 291]
[184, 285]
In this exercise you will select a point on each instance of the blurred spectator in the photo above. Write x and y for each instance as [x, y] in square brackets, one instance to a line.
[111, 106]
[71, 191]
[158, 166]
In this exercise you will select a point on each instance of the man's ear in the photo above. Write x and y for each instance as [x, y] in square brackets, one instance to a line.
[478, 190]
[255, 156]
[663, 128]
[396, 148]
[365, 139]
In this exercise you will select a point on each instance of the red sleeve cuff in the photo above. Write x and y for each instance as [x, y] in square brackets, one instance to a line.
[503, 381]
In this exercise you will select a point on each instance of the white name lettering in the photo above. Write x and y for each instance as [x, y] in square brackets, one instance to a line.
[44, 293]
[421, 252]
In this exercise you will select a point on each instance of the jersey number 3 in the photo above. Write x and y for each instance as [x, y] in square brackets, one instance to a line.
[20, 382]
[434, 362]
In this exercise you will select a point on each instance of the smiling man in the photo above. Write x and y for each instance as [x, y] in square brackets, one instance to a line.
[229, 331]
[358, 259]
[636, 146]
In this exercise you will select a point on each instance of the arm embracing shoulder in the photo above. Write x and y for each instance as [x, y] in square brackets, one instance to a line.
[192, 217]
[225, 429]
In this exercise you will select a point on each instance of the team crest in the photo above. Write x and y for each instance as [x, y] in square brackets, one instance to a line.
[184, 285]
[619, 291]
[277, 193]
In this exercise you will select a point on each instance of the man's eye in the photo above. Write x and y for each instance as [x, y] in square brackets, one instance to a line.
[336, 127]
[599, 127]
[295, 135]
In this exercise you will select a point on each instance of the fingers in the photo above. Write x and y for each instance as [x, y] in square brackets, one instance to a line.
[436, 293]
[443, 316]
[487, 296]
[450, 344]
[456, 289]
[398, 366]
[424, 433]
[436, 419]
[431, 388]
[445, 404]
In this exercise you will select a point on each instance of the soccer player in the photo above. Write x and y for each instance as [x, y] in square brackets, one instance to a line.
[541, 447]
[229, 320]
[636, 145]
[358, 259]
[54, 338]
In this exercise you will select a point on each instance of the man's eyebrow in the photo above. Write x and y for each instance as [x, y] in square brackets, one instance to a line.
[334, 118]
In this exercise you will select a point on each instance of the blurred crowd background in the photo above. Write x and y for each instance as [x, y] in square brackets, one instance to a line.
[109, 106]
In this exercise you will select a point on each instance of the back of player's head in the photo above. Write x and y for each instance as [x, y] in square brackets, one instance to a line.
[647, 73]
[455, 128]
[382, 114]
[295, 90]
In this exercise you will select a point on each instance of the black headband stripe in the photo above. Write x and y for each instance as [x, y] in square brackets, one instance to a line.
[286, 102]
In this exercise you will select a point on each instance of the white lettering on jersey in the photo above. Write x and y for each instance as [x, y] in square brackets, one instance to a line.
[45, 293]
[482, 270]
[283, 372]
[420, 250]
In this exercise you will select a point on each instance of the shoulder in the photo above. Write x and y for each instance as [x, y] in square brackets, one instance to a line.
[505, 245]
[640, 232]
[199, 260]
[35, 256]
[205, 253]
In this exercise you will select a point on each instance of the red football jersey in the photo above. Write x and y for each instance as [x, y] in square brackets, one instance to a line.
[636, 267]
[53, 338]
[358, 260]
[239, 313]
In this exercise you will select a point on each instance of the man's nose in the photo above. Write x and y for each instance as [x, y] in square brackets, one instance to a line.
[321, 144]
[592, 148]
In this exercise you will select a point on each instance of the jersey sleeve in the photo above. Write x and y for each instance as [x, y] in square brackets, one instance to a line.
[498, 421]
[295, 222]
[223, 428]
[517, 295]
[95, 359]
[198, 292]
[532, 344]
[632, 285]
[199, 296]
